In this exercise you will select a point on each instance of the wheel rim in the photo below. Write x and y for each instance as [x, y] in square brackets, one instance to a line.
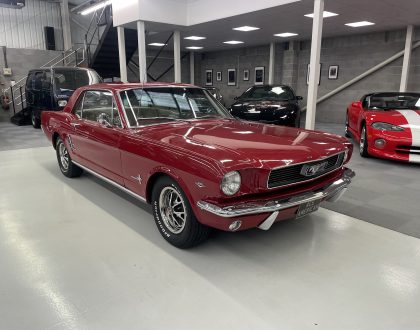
[362, 140]
[33, 119]
[172, 210]
[64, 156]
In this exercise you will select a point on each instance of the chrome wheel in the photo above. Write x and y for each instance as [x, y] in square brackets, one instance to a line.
[33, 119]
[64, 156]
[362, 144]
[172, 210]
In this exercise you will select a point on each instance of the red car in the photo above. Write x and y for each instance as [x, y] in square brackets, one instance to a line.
[386, 125]
[176, 147]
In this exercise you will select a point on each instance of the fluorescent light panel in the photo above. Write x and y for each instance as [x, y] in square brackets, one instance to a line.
[100, 5]
[325, 14]
[195, 38]
[359, 24]
[233, 42]
[286, 34]
[246, 28]
[157, 44]
[194, 47]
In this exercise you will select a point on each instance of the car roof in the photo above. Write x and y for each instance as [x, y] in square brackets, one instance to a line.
[124, 86]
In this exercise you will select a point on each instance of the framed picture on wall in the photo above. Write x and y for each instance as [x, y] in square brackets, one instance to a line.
[209, 77]
[231, 77]
[246, 75]
[333, 72]
[219, 75]
[259, 75]
[308, 71]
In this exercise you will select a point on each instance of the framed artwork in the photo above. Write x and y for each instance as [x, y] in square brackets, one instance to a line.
[209, 77]
[231, 77]
[219, 75]
[307, 74]
[333, 72]
[246, 75]
[259, 75]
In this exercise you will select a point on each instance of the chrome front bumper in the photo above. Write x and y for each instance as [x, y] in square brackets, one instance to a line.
[330, 193]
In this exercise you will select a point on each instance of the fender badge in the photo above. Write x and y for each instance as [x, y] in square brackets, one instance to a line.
[200, 184]
[137, 178]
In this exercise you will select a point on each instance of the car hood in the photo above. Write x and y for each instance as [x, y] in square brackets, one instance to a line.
[405, 118]
[239, 144]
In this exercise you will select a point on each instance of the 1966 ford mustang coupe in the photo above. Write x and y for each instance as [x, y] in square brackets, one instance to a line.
[176, 147]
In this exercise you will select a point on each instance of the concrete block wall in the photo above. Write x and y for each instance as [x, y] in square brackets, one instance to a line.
[353, 54]
[239, 59]
[21, 61]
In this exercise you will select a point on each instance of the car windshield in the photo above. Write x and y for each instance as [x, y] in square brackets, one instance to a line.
[386, 101]
[164, 104]
[70, 80]
[281, 93]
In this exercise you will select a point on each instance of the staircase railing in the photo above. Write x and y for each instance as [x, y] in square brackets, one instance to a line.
[100, 19]
[68, 58]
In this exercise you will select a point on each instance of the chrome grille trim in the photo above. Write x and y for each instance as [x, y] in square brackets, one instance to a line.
[338, 164]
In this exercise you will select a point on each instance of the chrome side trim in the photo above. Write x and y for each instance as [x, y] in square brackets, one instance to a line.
[329, 193]
[112, 183]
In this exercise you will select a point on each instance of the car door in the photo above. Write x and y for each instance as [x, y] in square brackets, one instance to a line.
[355, 111]
[97, 133]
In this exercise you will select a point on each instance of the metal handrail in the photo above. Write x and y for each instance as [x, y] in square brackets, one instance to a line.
[88, 44]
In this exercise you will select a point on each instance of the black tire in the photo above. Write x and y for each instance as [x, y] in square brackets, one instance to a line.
[363, 143]
[346, 131]
[182, 232]
[67, 167]
[36, 123]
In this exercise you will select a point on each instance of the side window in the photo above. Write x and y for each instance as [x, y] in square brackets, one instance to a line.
[30, 81]
[97, 106]
[46, 80]
[38, 81]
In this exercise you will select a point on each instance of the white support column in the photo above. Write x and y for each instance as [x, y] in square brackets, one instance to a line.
[121, 54]
[65, 22]
[314, 66]
[192, 68]
[141, 35]
[177, 56]
[271, 63]
[407, 58]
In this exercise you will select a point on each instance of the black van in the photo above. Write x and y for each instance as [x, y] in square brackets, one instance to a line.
[50, 88]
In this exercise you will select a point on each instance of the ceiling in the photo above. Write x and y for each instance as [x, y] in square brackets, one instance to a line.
[387, 14]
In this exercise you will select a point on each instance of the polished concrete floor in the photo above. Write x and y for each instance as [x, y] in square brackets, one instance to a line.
[75, 254]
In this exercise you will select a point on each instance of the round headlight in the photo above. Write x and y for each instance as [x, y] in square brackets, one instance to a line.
[231, 183]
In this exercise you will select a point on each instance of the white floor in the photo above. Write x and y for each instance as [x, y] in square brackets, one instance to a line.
[75, 254]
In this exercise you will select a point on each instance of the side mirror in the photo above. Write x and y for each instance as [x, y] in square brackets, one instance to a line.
[356, 104]
[236, 98]
[299, 98]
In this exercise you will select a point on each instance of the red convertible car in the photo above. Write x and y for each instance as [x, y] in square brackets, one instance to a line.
[386, 125]
[178, 148]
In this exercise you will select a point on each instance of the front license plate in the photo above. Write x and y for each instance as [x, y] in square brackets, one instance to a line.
[307, 208]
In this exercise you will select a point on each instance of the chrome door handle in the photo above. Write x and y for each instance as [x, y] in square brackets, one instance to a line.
[75, 125]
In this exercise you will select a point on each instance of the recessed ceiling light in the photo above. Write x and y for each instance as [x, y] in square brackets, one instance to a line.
[246, 28]
[359, 24]
[194, 47]
[325, 14]
[233, 42]
[194, 38]
[157, 44]
[285, 34]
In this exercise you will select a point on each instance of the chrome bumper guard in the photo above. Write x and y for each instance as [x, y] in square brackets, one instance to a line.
[331, 193]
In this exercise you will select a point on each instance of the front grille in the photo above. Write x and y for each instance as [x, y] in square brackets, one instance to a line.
[293, 174]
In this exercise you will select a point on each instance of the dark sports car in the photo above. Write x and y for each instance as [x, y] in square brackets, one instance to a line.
[271, 104]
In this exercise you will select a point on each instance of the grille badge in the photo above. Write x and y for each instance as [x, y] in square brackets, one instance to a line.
[311, 170]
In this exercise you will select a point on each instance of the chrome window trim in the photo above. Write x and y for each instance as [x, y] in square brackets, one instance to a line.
[312, 161]
[112, 183]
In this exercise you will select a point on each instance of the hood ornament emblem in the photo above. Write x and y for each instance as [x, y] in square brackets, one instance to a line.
[312, 170]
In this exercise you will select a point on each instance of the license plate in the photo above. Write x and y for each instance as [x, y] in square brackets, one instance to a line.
[307, 208]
